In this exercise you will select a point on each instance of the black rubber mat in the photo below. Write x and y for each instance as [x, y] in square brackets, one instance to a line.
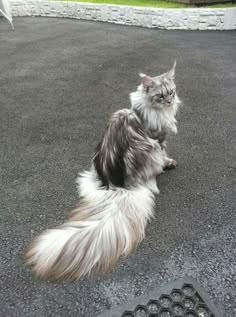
[182, 298]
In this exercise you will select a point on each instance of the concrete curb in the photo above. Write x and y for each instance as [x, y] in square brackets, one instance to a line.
[182, 19]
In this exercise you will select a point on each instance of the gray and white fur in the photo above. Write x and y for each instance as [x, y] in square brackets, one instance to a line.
[117, 194]
[156, 103]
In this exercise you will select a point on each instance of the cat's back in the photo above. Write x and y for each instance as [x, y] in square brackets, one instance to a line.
[123, 134]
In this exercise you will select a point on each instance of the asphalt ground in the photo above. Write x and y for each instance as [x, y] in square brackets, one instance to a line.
[59, 82]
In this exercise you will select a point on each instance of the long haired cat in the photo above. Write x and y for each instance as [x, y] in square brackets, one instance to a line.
[117, 194]
[156, 103]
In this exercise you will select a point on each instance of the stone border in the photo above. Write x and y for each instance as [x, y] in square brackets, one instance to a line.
[181, 19]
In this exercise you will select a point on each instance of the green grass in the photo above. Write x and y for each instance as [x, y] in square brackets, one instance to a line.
[153, 3]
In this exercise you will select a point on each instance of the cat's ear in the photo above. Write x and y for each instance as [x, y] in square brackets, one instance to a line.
[171, 73]
[147, 81]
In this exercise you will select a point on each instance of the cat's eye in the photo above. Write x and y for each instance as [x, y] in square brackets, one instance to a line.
[159, 96]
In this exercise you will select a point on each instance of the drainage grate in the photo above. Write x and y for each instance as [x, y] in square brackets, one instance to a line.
[182, 298]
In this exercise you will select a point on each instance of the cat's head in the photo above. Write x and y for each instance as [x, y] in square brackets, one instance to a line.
[160, 91]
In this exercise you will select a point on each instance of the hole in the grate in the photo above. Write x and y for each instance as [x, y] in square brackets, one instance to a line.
[140, 311]
[165, 301]
[177, 295]
[178, 310]
[166, 313]
[128, 314]
[190, 314]
[202, 311]
[189, 303]
[188, 290]
[153, 306]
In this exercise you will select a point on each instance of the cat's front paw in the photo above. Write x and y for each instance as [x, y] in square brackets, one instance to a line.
[171, 164]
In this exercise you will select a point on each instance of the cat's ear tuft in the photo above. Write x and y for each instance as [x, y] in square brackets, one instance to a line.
[147, 81]
[142, 75]
[171, 73]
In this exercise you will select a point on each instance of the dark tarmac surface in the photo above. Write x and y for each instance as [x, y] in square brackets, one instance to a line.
[59, 82]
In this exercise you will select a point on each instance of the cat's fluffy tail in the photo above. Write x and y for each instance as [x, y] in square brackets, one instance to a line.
[106, 225]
